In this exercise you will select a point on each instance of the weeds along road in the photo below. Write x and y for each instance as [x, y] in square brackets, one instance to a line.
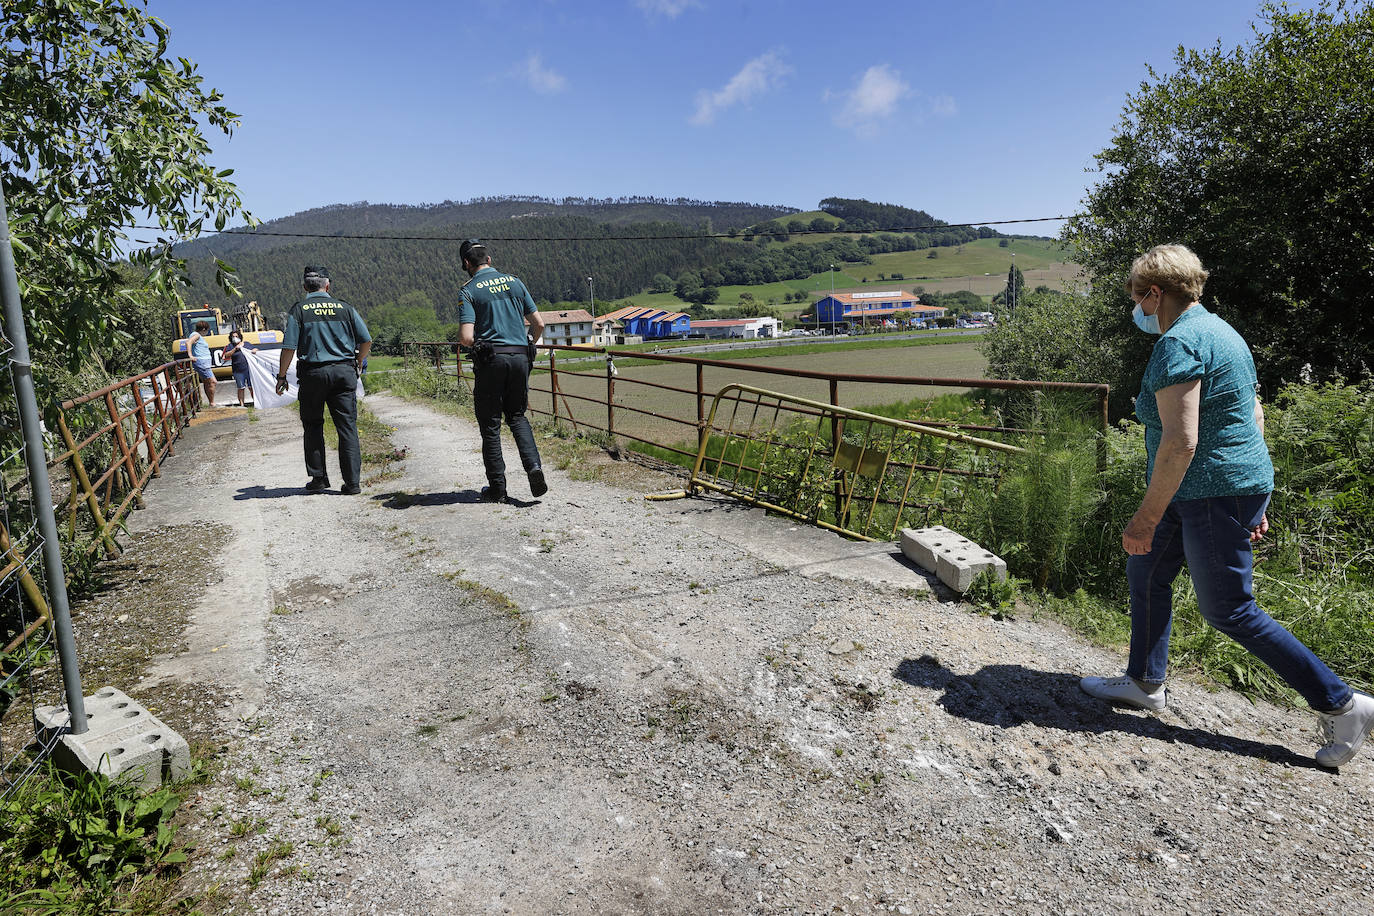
[592, 703]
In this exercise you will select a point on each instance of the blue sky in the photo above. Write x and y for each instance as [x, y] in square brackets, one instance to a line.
[970, 111]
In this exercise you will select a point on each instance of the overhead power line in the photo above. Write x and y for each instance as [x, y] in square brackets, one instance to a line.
[609, 238]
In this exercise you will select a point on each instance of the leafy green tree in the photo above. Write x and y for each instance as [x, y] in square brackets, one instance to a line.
[707, 295]
[1012, 294]
[1064, 337]
[100, 130]
[410, 318]
[662, 283]
[1258, 158]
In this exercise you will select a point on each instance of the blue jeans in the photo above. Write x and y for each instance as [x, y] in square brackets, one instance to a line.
[1213, 535]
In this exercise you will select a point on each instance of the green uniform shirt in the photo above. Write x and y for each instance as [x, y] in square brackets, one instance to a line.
[1231, 458]
[496, 304]
[322, 329]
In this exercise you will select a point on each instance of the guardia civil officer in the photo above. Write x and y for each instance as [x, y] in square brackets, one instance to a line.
[495, 309]
[332, 342]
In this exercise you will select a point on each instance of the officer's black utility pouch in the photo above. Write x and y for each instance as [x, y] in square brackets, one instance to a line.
[530, 349]
[481, 352]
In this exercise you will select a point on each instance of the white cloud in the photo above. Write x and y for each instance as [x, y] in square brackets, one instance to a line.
[669, 8]
[942, 106]
[874, 97]
[765, 72]
[541, 79]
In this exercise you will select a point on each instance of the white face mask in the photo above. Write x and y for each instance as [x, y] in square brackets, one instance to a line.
[1147, 323]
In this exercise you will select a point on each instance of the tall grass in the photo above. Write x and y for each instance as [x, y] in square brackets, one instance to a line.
[418, 380]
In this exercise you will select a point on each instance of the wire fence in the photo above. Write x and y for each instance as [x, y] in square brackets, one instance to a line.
[25, 617]
[106, 447]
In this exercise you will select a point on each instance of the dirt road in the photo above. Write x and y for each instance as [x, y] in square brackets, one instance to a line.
[591, 703]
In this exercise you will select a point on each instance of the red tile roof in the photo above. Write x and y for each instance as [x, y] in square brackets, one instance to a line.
[566, 317]
[725, 322]
[935, 310]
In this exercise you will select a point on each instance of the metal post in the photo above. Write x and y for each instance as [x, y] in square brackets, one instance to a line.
[553, 386]
[832, 300]
[701, 400]
[610, 395]
[130, 467]
[39, 485]
[161, 413]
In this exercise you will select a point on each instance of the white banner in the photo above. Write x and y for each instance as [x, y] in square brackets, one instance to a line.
[262, 369]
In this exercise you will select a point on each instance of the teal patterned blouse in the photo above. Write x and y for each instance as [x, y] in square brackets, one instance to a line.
[1231, 457]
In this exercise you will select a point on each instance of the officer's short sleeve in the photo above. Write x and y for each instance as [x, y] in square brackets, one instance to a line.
[466, 313]
[360, 332]
[291, 339]
[527, 305]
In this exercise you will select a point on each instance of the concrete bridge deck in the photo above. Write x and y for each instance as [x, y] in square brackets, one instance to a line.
[590, 703]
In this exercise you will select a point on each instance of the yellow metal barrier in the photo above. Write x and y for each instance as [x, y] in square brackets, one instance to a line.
[859, 474]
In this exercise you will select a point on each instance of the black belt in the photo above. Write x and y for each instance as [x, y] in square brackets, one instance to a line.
[307, 366]
[506, 349]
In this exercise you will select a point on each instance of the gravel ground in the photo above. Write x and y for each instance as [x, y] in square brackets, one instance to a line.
[594, 703]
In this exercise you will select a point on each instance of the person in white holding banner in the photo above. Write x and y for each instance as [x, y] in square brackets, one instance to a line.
[332, 341]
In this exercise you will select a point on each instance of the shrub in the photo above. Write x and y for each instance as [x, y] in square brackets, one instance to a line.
[1039, 517]
[424, 381]
[1321, 438]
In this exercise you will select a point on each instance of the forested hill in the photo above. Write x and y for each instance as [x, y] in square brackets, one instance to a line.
[453, 218]
[371, 272]
[626, 244]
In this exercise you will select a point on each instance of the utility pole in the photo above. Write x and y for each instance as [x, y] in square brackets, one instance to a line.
[832, 300]
[591, 292]
[22, 371]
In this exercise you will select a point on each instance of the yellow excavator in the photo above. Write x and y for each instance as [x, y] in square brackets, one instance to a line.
[246, 319]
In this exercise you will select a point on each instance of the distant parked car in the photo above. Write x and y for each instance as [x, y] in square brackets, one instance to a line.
[796, 332]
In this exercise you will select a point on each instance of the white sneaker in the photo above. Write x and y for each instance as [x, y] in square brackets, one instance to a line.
[1345, 731]
[1126, 691]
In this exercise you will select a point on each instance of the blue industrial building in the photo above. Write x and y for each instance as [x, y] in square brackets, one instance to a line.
[651, 323]
[876, 307]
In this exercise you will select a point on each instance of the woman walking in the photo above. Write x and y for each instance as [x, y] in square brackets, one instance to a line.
[1209, 482]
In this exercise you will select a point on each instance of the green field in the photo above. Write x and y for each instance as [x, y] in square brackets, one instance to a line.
[958, 359]
[980, 266]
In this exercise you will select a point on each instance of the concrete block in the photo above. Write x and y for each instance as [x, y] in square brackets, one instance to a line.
[958, 565]
[124, 741]
[922, 545]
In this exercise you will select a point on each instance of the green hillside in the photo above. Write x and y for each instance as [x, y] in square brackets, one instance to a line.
[980, 265]
[701, 257]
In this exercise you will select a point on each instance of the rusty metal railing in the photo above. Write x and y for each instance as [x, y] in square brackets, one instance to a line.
[860, 474]
[128, 429]
[672, 416]
[120, 433]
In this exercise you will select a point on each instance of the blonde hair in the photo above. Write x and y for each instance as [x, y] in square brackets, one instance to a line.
[1173, 268]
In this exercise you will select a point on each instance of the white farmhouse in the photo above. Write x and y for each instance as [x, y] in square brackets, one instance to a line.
[747, 328]
[572, 328]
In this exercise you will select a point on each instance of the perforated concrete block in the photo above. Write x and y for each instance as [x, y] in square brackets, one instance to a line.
[123, 740]
[922, 545]
[958, 565]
